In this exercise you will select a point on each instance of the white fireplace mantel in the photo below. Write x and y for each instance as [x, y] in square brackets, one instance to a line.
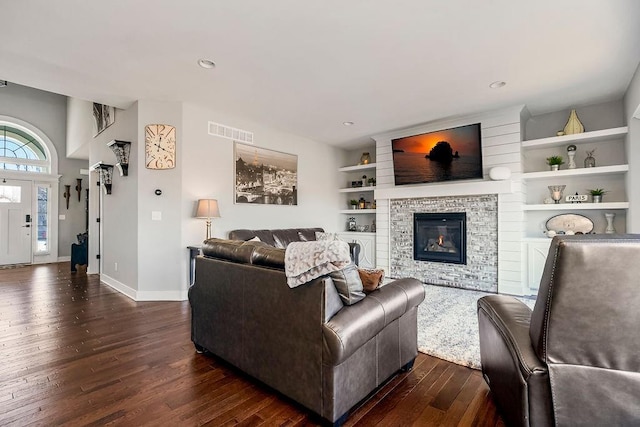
[467, 188]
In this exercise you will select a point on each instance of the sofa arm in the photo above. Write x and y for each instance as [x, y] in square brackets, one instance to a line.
[356, 324]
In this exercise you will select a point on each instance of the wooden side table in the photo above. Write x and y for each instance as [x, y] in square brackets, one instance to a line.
[194, 251]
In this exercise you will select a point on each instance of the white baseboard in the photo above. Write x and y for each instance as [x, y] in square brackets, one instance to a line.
[64, 259]
[118, 286]
[162, 296]
[143, 295]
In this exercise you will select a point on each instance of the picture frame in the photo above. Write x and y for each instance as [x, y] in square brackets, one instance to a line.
[264, 176]
[104, 116]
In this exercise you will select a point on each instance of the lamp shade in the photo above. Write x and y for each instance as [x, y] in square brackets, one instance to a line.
[207, 208]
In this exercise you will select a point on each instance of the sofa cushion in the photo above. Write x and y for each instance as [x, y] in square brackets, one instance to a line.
[321, 236]
[347, 282]
[371, 278]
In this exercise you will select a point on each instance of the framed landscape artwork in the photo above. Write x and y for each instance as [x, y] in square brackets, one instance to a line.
[265, 176]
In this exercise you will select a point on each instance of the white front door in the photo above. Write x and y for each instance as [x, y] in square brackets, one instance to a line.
[15, 222]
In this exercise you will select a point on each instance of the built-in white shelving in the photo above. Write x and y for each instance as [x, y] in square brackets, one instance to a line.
[366, 192]
[357, 189]
[600, 170]
[576, 206]
[356, 168]
[593, 136]
[606, 136]
[358, 211]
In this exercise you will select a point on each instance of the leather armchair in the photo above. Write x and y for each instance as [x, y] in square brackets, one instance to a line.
[574, 359]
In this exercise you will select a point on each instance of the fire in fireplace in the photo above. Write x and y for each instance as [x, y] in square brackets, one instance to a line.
[440, 237]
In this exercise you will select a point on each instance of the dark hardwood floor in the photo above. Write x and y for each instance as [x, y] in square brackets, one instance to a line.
[75, 352]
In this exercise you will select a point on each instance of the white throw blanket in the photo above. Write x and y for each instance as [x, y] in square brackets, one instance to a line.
[304, 261]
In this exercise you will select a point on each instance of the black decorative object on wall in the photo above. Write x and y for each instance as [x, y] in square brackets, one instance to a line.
[79, 187]
[106, 175]
[122, 150]
[67, 194]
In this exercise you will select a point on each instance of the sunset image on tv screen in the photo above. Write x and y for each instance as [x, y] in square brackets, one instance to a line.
[444, 155]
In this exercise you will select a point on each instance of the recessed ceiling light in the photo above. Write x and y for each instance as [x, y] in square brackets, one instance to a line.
[205, 63]
[497, 84]
[347, 123]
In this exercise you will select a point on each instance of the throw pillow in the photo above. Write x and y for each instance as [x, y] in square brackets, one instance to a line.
[348, 284]
[321, 235]
[371, 278]
[255, 239]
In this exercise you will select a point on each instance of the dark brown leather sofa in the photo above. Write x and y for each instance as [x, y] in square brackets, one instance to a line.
[280, 238]
[303, 342]
[574, 359]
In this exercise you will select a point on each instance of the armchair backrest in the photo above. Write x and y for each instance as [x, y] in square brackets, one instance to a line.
[585, 326]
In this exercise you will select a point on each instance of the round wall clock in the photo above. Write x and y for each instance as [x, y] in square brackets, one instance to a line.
[160, 146]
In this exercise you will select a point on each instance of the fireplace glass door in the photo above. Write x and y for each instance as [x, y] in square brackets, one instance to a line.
[440, 237]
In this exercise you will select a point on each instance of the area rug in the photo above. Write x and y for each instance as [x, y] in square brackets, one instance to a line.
[448, 324]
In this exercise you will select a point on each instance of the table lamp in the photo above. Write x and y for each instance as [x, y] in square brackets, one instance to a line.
[208, 208]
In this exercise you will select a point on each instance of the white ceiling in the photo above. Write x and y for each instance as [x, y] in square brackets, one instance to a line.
[307, 66]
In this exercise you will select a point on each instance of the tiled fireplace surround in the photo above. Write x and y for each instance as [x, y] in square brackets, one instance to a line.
[481, 269]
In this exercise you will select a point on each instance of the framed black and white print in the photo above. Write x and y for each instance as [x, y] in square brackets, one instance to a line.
[265, 176]
[104, 116]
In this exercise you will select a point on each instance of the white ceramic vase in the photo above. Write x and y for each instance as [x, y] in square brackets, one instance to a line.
[610, 228]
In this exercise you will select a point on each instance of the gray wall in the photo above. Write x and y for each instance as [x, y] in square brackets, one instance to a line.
[631, 103]
[48, 112]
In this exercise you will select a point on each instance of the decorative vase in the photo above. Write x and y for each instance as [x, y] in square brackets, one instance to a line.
[365, 159]
[573, 124]
[590, 161]
[597, 198]
[571, 152]
[610, 229]
[556, 192]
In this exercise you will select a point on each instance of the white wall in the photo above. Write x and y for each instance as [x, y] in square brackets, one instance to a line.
[80, 125]
[631, 106]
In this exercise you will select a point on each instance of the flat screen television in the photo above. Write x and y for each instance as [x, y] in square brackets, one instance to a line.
[444, 155]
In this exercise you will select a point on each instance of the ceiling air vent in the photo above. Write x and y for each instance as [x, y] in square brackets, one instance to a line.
[216, 129]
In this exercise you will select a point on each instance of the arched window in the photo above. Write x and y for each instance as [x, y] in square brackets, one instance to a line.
[22, 150]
